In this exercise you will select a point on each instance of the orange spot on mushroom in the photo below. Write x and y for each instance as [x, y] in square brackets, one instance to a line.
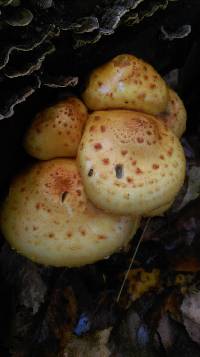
[97, 146]
[78, 192]
[152, 86]
[124, 152]
[106, 161]
[103, 128]
[140, 140]
[162, 157]
[51, 235]
[129, 179]
[38, 205]
[61, 182]
[170, 152]
[155, 166]
[92, 128]
[69, 234]
[101, 237]
[138, 171]
[141, 95]
[134, 162]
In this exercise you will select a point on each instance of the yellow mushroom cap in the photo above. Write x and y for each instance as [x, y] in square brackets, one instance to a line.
[130, 162]
[159, 211]
[48, 218]
[175, 115]
[126, 82]
[57, 130]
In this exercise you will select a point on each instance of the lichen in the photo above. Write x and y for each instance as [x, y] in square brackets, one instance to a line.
[31, 30]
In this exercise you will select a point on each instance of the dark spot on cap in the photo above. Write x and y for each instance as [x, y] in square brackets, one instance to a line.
[78, 192]
[119, 171]
[140, 140]
[97, 146]
[63, 196]
[102, 237]
[90, 173]
[106, 161]
[124, 152]
[92, 128]
[155, 166]
[138, 171]
[169, 152]
[103, 128]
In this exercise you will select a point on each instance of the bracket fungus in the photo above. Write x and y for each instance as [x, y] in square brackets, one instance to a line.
[57, 130]
[48, 218]
[126, 82]
[137, 163]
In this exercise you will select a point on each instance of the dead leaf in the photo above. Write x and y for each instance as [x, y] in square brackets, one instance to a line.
[191, 315]
[141, 282]
[91, 345]
[193, 188]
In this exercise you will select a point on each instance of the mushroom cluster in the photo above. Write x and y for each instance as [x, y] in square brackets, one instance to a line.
[98, 173]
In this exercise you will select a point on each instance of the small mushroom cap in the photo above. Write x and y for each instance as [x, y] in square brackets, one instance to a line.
[130, 162]
[175, 115]
[48, 218]
[57, 130]
[126, 82]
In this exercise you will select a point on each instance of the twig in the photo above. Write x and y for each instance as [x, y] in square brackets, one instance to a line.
[133, 258]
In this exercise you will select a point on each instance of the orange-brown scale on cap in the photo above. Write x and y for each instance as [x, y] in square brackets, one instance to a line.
[146, 162]
[54, 223]
[57, 130]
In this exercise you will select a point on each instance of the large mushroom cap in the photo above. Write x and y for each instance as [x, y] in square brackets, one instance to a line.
[57, 130]
[175, 115]
[130, 162]
[126, 82]
[48, 218]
